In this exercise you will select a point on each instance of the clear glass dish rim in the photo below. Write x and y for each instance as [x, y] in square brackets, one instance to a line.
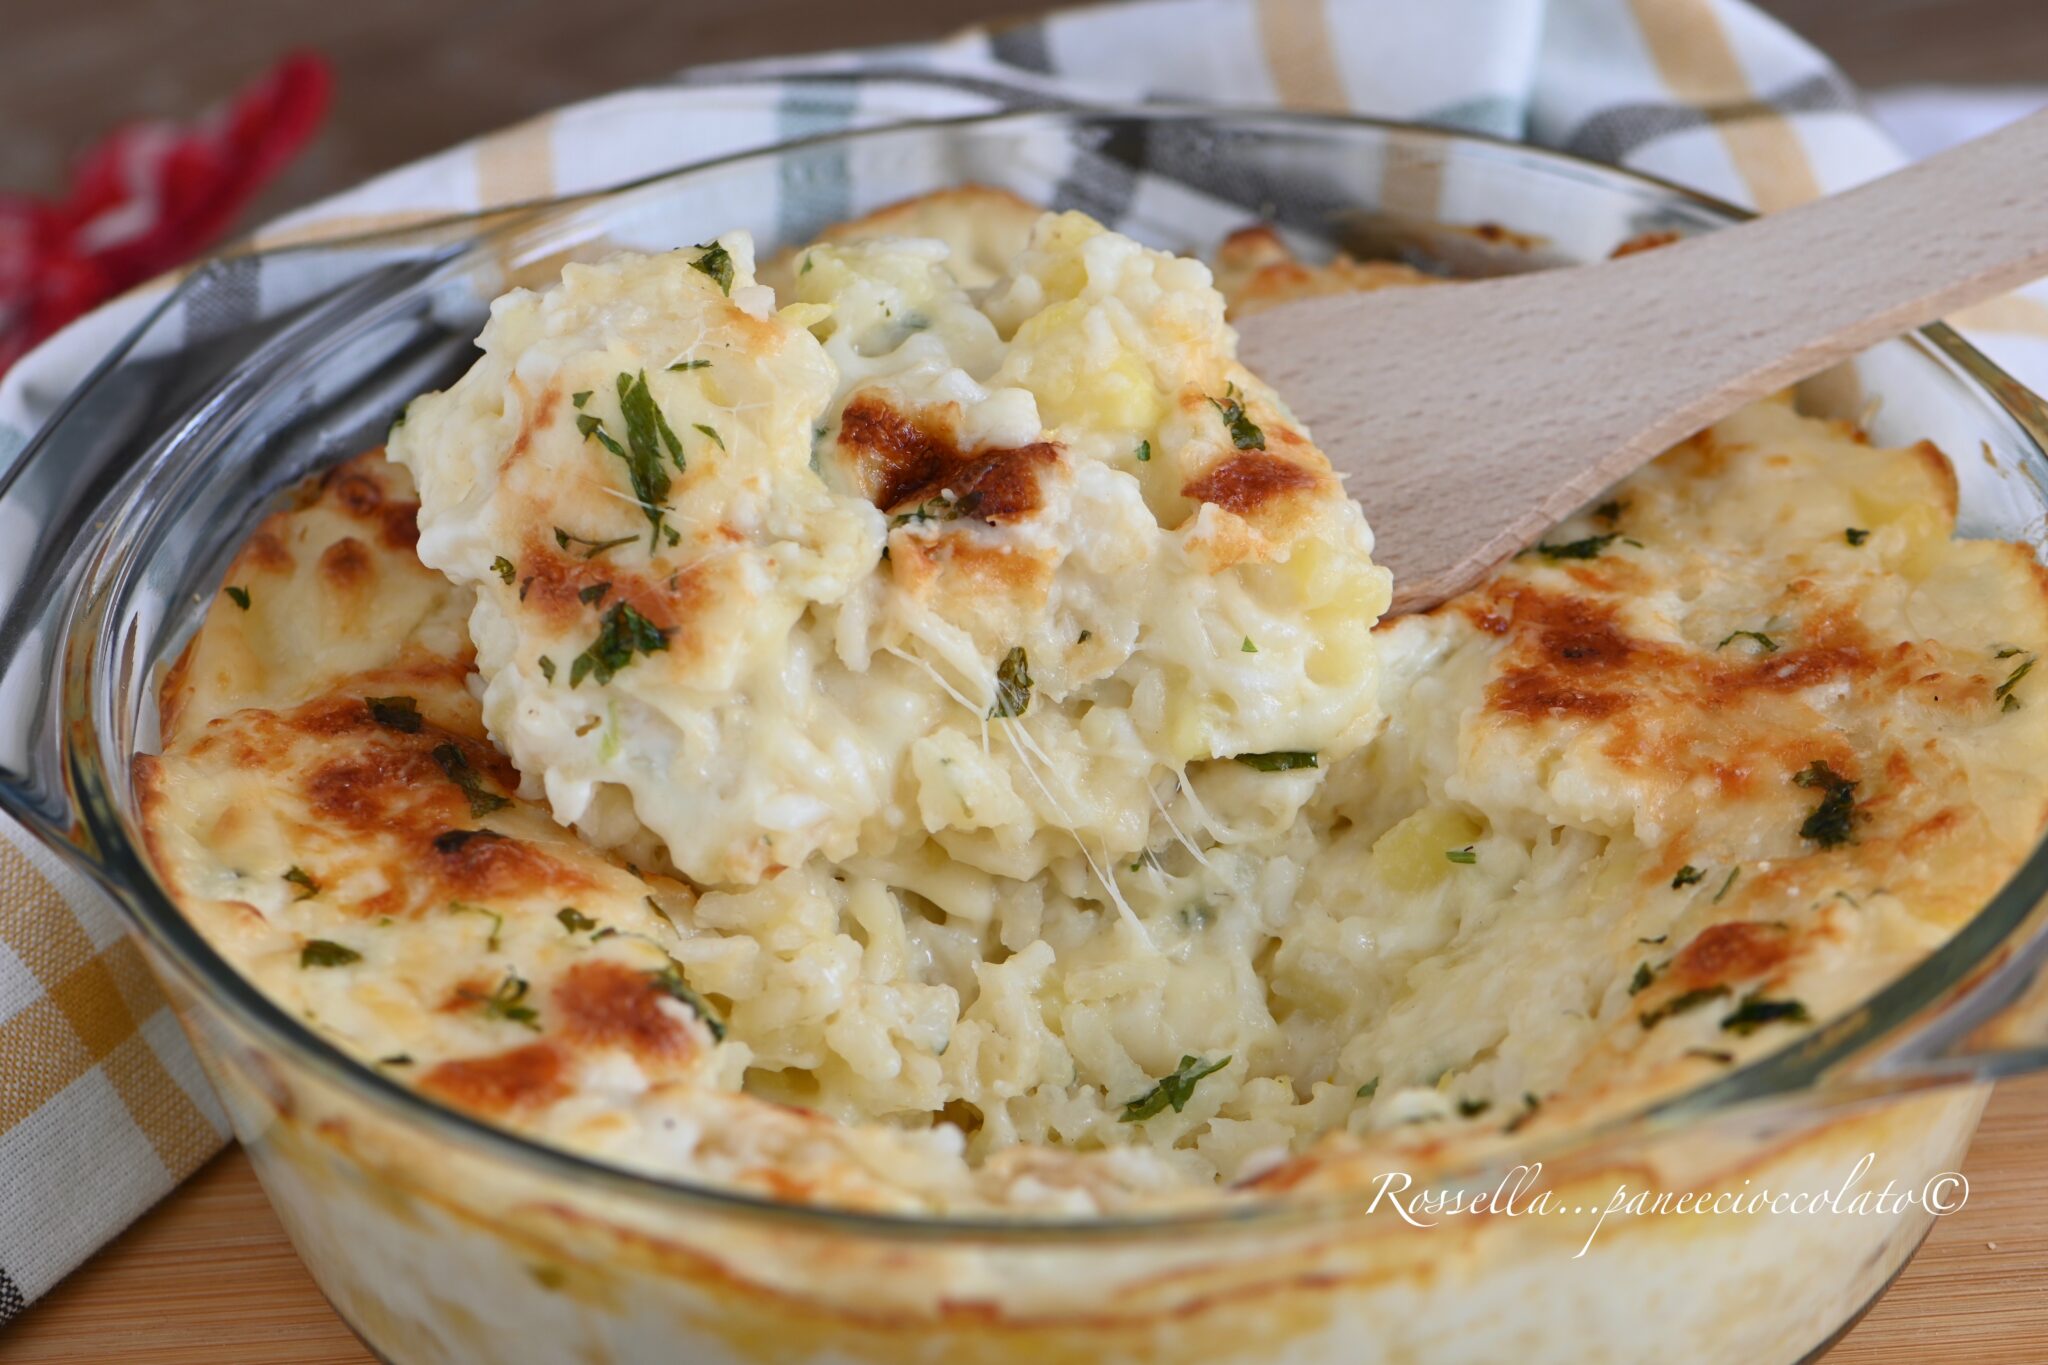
[1789, 1073]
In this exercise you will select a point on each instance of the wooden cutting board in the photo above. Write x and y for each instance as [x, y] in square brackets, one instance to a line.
[208, 1277]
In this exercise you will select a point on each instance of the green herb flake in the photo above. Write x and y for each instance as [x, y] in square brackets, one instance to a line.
[715, 261]
[1084, 637]
[646, 432]
[621, 634]
[1464, 857]
[299, 877]
[1013, 685]
[670, 980]
[2003, 692]
[1144, 452]
[580, 397]
[1754, 1012]
[2007, 652]
[1681, 1004]
[239, 596]
[1733, 873]
[1764, 643]
[506, 1003]
[1711, 1054]
[595, 592]
[482, 801]
[505, 570]
[1247, 647]
[574, 921]
[1855, 535]
[491, 940]
[1244, 434]
[395, 713]
[807, 266]
[1653, 942]
[1472, 1109]
[681, 365]
[1279, 761]
[1643, 977]
[591, 548]
[1369, 1089]
[711, 434]
[321, 952]
[396, 1059]
[2011, 703]
[1175, 1090]
[1687, 875]
[547, 667]
[1828, 824]
[1589, 548]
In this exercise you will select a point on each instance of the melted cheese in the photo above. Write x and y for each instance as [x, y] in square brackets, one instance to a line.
[1565, 841]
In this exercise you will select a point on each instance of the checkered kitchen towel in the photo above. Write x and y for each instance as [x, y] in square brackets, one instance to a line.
[102, 1109]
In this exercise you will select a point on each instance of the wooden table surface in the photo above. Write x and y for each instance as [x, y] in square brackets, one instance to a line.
[1973, 1294]
[414, 77]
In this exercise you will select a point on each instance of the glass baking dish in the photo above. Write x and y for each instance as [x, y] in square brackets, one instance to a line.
[440, 1238]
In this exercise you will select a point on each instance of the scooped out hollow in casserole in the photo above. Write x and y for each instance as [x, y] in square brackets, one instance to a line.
[911, 728]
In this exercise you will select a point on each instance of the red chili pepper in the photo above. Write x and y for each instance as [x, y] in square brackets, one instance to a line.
[151, 196]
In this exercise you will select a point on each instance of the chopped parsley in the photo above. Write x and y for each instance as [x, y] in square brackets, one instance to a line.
[505, 570]
[1144, 452]
[807, 266]
[1828, 824]
[711, 433]
[1855, 535]
[1244, 434]
[1711, 1054]
[1279, 761]
[1465, 856]
[1643, 977]
[395, 713]
[1247, 647]
[320, 952]
[505, 1003]
[1733, 873]
[647, 431]
[574, 921]
[1083, 637]
[1681, 1004]
[1472, 1109]
[622, 633]
[715, 261]
[1013, 685]
[239, 596]
[2007, 652]
[497, 921]
[939, 508]
[396, 1059]
[1754, 1012]
[689, 365]
[670, 979]
[1589, 548]
[1175, 1090]
[299, 877]
[1369, 1089]
[580, 397]
[594, 593]
[455, 764]
[547, 667]
[591, 548]
[2003, 692]
[1687, 875]
[1763, 641]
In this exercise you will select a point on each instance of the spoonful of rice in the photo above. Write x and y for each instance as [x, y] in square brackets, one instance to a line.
[1475, 418]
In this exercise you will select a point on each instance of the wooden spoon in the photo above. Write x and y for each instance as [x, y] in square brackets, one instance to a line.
[1469, 420]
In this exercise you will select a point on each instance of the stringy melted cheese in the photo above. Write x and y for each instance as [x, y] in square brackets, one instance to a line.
[1553, 857]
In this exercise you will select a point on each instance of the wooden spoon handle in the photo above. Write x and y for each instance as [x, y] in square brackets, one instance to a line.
[1472, 419]
[1789, 295]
